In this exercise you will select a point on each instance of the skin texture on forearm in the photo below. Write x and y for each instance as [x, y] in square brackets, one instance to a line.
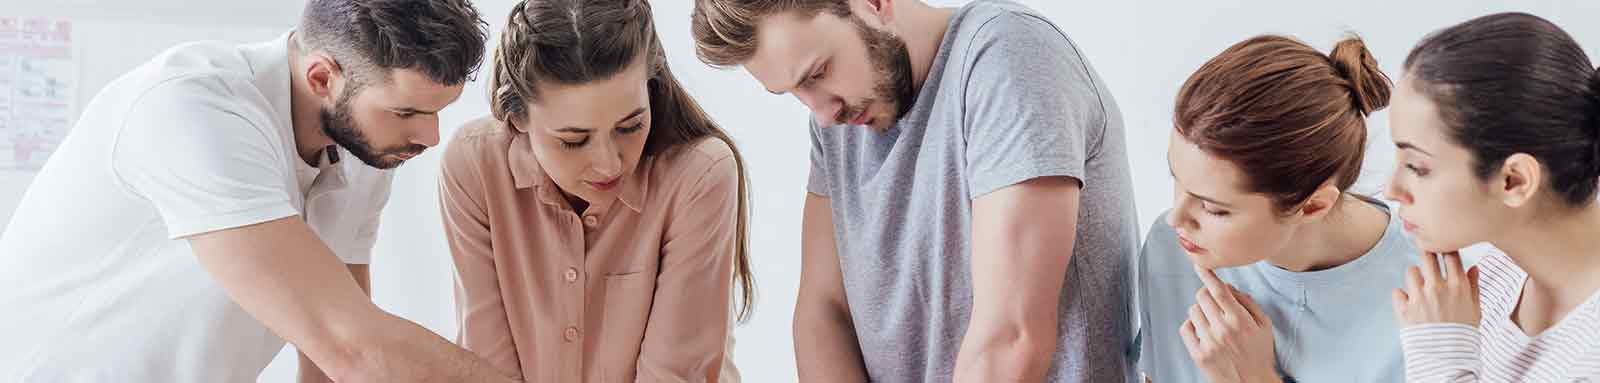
[825, 343]
[1019, 263]
[309, 372]
[285, 277]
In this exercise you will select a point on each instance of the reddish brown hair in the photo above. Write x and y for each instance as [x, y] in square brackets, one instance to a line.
[1290, 117]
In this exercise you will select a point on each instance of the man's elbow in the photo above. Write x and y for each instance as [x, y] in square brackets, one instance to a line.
[1028, 355]
[352, 354]
[816, 312]
[1012, 354]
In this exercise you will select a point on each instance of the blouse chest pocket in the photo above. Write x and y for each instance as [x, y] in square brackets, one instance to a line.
[625, 314]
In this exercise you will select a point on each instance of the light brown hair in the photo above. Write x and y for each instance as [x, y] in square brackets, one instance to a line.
[725, 32]
[1290, 117]
[569, 42]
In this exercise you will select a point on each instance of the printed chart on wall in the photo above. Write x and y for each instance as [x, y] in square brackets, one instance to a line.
[38, 95]
[39, 73]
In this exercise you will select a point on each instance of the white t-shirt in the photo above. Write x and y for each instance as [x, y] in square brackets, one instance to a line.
[97, 280]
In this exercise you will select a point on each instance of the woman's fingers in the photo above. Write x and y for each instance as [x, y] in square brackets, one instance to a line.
[1413, 280]
[1252, 308]
[1201, 324]
[1399, 298]
[1472, 277]
[1430, 269]
[1213, 313]
[1219, 290]
[1191, 340]
[1454, 275]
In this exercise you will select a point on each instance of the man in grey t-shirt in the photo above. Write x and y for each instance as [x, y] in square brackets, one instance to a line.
[970, 215]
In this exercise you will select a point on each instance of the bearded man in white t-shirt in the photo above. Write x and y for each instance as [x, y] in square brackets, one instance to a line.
[221, 199]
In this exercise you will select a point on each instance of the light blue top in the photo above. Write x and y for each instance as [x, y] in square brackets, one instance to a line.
[1333, 325]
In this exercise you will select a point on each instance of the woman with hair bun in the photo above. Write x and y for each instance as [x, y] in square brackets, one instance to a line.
[1267, 266]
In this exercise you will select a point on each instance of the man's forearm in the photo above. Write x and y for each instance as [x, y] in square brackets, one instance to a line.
[1005, 353]
[825, 346]
[309, 372]
[396, 350]
[1022, 245]
[282, 274]
[825, 343]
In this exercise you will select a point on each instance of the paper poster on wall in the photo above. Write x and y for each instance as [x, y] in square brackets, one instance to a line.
[38, 89]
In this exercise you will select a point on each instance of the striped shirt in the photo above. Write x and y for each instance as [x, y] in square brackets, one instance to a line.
[1498, 350]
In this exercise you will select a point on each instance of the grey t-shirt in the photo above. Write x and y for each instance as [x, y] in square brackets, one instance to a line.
[1008, 98]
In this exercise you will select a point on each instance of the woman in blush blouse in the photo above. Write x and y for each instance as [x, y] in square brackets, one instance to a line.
[598, 219]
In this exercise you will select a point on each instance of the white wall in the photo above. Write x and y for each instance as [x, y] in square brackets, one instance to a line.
[106, 51]
[1176, 37]
[1143, 49]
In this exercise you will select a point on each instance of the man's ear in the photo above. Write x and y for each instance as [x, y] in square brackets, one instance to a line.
[877, 13]
[324, 76]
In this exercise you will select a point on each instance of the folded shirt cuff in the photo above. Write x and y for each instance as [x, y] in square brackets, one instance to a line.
[1439, 352]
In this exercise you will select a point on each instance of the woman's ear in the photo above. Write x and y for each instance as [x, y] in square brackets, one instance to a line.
[1320, 202]
[515, 125]
[1521, 178]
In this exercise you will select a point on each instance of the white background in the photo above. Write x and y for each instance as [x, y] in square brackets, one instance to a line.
[1143, 49]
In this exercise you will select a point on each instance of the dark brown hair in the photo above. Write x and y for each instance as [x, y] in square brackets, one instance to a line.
[725, 31]
[443, 39]
[1290, 117]
[1515, 83]
[569, 42]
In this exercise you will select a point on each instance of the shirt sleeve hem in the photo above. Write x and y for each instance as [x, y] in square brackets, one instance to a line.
[988, 183]
[192, 226]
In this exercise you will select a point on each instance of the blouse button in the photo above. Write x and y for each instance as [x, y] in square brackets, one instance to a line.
[591, 221]
[571, 334]
[571, 274]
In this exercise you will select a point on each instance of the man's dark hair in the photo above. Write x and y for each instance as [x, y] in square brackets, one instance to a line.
[442, 39]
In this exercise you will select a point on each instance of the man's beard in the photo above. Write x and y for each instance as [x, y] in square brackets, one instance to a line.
[892, 63]
[339, 125]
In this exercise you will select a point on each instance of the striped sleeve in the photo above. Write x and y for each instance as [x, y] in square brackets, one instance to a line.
[1440, 352]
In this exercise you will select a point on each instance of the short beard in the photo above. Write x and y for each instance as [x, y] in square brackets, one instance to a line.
[340, 125]
[892, 62]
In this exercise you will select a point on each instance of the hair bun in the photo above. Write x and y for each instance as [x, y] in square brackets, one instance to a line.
[1369, 86]
[1594, 114]
[1594, 92]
